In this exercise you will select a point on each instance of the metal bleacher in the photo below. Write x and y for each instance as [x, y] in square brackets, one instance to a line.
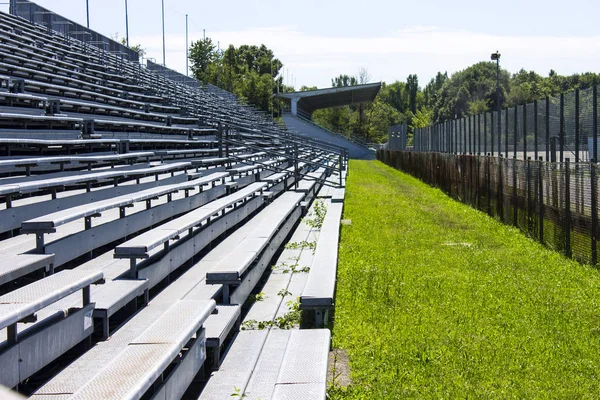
[141, 217]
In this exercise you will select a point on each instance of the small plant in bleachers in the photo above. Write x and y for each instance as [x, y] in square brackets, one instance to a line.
[288, 321]
[301, 245]
[237, 392]
[284, 292]
[257, 297]
[286, 268]
[317, 216]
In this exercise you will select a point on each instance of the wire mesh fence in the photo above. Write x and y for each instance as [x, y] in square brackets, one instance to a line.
[554, 128]
[555, 203]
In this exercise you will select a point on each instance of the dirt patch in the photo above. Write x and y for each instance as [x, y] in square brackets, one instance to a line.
[338, 373]
[346, 222]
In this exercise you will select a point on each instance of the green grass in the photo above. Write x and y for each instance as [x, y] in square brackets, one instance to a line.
[437, 300]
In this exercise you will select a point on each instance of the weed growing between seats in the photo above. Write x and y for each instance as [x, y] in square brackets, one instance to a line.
[437, 300]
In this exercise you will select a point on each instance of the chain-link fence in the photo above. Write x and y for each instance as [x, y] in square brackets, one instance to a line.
[554, 203]
[554, 129]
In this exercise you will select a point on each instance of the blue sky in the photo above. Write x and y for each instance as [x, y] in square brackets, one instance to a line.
[317, 40]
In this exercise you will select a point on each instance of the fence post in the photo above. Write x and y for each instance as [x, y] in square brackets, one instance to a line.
[535, 129]
[541, 199]
[595, 121]
[487, 184]
[492, 133]
[524, 132]
[479, 135]
[561, 138]
[464, 131]
[515, 131]
[485, 133]
[567, 208]
[506, 133]
[500, 190]
[499, 131]
[514, 193]
[547, 128]
[576, 126]
[594, 193]
[529, 210]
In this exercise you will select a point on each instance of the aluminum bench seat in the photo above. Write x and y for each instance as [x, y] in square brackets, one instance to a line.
[23, 302]
[319, 292]
[219, 326]
[338, 195]
[48, 223]
[237, 366]
[39, 204]
[310, 348]
[60, 180]
[127, 365]
[70, 82]
[262, 364]
[232, 266]
[139, 246]
[163, 153]
[107, 158]
[209, 161]
[14, 266]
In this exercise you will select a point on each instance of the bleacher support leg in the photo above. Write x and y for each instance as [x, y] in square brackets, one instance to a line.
[319, 318]
[86, 295]
[39, 243]
[11, 334]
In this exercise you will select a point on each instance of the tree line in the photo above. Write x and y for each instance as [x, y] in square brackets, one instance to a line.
[252, 74]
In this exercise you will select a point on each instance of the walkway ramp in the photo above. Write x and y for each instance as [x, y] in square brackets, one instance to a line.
[356, 151]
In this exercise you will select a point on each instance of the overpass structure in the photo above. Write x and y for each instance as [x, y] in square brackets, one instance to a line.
[309, 101]
[303, 104]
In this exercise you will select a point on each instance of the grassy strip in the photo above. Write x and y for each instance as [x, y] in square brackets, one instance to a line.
[437, 300]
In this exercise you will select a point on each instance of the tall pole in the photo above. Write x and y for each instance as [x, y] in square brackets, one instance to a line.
[87, 10]
[496, 57]
[163, 32]
[498, 106]
[126, 24]
[187, 48]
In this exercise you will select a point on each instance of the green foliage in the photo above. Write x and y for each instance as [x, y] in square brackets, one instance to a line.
[247, 71]
[289, 320]
[290, 268]
[257, 297]
[471, 91]
[301, 245]
[437, 300]
[317, 216]
[237, 392]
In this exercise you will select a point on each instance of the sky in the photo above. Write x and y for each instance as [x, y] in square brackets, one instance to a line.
[318, 40]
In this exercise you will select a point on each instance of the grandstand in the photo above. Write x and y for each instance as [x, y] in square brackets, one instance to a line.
[159, 239]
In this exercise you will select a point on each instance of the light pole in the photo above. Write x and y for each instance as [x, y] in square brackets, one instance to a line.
[496, 57]
[87, 10]
[187, 48]
[126, 24]
[163, 32]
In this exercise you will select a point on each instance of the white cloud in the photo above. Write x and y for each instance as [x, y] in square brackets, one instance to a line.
[314, 60]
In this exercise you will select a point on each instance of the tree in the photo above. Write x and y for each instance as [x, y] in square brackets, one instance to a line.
[412, 86]
[202, 54]
[250, 72]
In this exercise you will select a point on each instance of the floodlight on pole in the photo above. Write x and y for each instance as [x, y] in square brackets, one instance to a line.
[496, 57]
[163, 33]
[87, 10]
[187, 48]
[126, 24]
